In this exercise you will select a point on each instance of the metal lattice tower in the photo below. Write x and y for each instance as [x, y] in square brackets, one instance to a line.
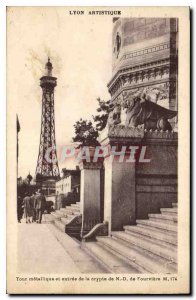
[47, 169]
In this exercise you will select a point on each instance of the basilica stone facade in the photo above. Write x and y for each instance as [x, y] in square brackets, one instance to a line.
[145, 59]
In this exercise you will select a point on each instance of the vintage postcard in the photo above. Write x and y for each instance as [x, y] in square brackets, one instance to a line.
[98, 141]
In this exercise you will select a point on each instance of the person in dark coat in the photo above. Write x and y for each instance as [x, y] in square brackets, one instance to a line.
[32, 201]
[40, 203]
[28, 209]
[20, 208]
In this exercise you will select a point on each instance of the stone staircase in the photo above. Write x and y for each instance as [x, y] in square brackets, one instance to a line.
[148, 247]
[67, 219]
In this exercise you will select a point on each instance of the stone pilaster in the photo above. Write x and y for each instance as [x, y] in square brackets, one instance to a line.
[90, 194]
[119, 187]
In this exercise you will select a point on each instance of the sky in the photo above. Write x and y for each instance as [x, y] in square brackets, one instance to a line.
[80, 49]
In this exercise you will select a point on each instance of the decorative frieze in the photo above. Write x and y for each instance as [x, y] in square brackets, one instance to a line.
[140, 78]
[139, 67]
[159, 134]
[152, 49]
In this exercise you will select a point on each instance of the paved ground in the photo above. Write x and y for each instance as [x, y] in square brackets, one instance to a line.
[40, 252]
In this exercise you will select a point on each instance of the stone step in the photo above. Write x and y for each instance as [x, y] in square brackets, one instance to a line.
[48, 218]
[56, 215]
[66, 212]
[167, 218]
[140, 259]
[159, 225]
[158, 230]
[175, 204]
[76, 213]
[63, 209]
[67, 219]
[72, 209]
[161, 237]
[75, 205]
[59, 212]
[83, 261]
[173, 210]
[110, 261]
[59, 225]
[172, 215]
[64, 220]
[150, 246]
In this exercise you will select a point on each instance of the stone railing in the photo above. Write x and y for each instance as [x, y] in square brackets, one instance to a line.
[100, 229]
[73, 228]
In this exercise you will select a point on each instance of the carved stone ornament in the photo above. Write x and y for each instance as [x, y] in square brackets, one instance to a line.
[75, 221]
[138, 109]
[100, 229]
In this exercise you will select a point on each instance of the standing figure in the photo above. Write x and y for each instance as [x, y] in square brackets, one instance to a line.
[40, 203]
[28, 209]
[20, 208]
[32, 201]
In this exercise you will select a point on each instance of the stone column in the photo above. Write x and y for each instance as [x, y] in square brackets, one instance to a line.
[119, 193]
[90, 195]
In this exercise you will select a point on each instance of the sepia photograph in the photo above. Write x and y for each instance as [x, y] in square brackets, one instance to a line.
[97, 129]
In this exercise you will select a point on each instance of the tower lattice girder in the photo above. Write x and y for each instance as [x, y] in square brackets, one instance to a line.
[47, 163]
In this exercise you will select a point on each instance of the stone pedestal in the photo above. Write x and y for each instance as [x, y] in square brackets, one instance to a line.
[119, 206]
[119, 192]
[90, 195]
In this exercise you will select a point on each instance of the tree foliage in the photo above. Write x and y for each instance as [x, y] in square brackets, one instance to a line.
[85, 133]
[103, 110]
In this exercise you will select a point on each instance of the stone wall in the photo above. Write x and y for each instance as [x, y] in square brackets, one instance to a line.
[156, 181]
[154, 192]
[135, 189]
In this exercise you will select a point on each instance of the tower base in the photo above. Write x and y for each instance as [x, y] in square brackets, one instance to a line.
[46, 184]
